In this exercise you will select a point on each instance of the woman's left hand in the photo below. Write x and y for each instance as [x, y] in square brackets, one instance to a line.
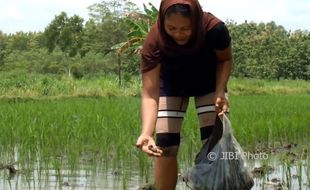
[221, 104]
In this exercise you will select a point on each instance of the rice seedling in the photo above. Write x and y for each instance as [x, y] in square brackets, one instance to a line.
[299, 174]
[307, 170]
[270, 120]
[71, 133]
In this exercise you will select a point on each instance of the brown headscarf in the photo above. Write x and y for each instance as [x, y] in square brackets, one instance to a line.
[159, 43]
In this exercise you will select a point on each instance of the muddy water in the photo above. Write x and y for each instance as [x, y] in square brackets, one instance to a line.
[80, 180]
[275, 178]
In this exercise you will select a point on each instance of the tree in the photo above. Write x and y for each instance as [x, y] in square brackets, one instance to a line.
[139, 24]
[299, 65]
[3, 45]
[65, 33]
[109, 21]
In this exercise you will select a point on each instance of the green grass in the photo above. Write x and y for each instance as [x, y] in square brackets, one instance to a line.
[105, 129]
[60, 122]
[272, 120]
[24, 85]
[261, 87]
[259, 122]
[55, 86]
[98, 130]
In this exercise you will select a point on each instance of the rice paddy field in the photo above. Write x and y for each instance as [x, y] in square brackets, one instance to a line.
[87, 142]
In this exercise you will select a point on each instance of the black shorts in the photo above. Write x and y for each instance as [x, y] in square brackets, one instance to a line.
[171, 111]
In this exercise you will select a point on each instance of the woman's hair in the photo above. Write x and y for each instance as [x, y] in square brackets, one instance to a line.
[183, 9]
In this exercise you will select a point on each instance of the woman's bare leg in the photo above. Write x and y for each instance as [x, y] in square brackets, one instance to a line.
[166, 173]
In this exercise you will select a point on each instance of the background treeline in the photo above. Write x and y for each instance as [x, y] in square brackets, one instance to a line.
[109, 43]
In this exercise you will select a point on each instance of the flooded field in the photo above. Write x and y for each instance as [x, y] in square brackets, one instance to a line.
[88, 143]
[274, 176]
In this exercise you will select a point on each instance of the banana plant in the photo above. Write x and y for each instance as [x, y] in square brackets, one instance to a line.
[139, 24]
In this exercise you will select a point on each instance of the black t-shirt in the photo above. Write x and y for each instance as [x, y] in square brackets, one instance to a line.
[194, 75]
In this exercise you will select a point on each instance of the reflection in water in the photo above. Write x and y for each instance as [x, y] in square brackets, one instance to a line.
[283, 176]
[279, 177]
[82, 179]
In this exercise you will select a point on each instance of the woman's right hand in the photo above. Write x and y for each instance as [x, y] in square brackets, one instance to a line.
[147, 144]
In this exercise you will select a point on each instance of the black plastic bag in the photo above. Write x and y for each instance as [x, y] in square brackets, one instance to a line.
[220, 164]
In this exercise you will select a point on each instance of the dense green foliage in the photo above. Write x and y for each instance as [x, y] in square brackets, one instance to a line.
[70, 45]
[269, 51]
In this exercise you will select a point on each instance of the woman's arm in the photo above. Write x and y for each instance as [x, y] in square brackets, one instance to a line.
[223, 71]
[149, 108]
[150, 97]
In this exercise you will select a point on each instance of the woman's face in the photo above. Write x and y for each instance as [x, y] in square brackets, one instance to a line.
[178, 27]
